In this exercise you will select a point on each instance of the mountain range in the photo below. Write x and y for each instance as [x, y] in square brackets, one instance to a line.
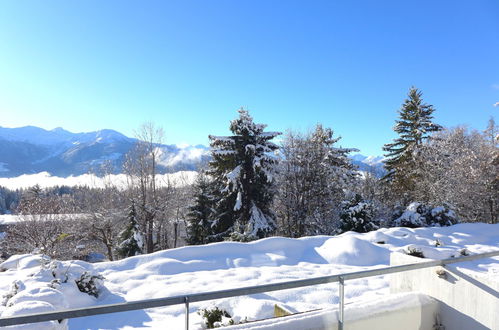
[30, 149]
[371, 164]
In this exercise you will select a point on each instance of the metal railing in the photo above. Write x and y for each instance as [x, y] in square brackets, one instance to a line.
[204, 296]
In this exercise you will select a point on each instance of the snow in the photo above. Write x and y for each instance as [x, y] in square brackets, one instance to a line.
[237, 206]
[229, 265]
[6, 219]
[369, 160]
[354, 251]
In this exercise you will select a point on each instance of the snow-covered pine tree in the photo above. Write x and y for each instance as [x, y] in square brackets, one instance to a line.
[243, 166]
[357, 215]
[413, 127]
[131, 239]
[199, 217]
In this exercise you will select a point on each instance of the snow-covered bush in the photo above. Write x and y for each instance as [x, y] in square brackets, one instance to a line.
[421, 215]
[412, 217]
[357, 215]
[90, 283]
[14, 288]
[464, 252]
[441, 216]
[215, 317]
[415, 252]
[238, 237]
[47, 285]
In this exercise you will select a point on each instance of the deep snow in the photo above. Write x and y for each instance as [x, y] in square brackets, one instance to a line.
[231, 265]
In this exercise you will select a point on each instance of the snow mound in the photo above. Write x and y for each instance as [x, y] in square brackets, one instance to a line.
[350, 250]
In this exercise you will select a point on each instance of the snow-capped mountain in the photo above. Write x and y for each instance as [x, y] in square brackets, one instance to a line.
[31, 149]
[371, 164]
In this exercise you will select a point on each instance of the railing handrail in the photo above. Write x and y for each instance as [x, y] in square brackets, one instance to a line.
[212, 295]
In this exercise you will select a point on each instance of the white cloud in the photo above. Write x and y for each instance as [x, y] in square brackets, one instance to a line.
[496, 104]
[44, 179]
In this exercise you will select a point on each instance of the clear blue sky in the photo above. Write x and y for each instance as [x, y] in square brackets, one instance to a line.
[188, 65]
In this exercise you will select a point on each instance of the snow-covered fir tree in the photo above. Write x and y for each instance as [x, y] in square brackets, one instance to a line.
[357, 215]
[314, 176]
[413, 127]
[131, 239]
[243, 166]
[200, 215]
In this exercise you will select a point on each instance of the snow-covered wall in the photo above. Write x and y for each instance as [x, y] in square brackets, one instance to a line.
[468, 299]
[406, 311]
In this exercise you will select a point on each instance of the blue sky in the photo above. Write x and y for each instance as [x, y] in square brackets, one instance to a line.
[189, 65]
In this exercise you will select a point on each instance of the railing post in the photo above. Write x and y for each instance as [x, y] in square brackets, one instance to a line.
[186, 299]
[341, 311]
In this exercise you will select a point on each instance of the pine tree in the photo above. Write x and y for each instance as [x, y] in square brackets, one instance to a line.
[199, 217]
[413, 127]
[243, 166]
[131, 240]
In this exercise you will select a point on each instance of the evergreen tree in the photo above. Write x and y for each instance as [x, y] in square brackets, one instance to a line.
[413, 127]
[199, 217]
[132, 241]
[243, 166]
[357, 215]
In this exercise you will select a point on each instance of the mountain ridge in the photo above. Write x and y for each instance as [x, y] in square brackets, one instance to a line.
[31, 149]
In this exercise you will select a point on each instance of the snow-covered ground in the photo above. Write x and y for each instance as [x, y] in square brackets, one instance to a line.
[232, 265]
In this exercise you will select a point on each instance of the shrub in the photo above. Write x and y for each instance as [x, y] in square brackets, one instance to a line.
[90, 283]
[421, 215]
[415, 252]
[213, 317]
[357, 215]
[464, 252]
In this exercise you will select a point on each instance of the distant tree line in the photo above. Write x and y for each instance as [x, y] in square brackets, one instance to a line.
[255, 187]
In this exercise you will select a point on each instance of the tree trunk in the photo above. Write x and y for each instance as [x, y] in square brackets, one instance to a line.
[175, 233]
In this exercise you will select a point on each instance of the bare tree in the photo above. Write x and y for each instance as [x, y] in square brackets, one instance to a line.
[45, 226]
[141, 168]
[313, 178]
[460, 170]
